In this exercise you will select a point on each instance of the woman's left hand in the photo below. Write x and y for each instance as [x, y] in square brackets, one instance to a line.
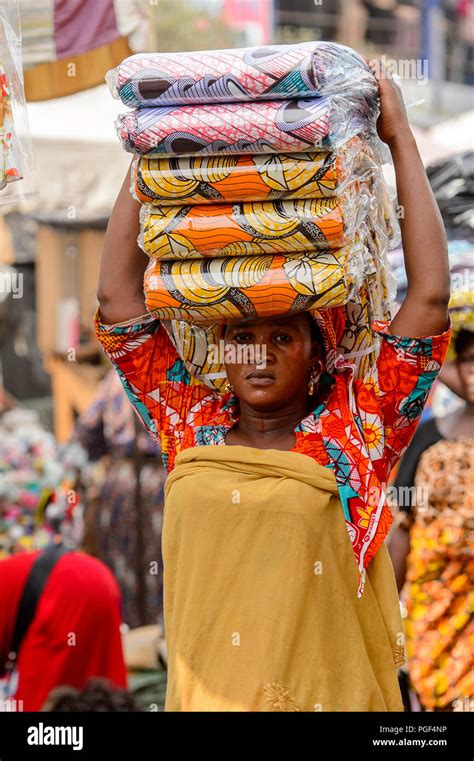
[392, 123]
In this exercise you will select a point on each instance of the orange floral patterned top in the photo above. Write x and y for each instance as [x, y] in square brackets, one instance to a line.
[359, 427]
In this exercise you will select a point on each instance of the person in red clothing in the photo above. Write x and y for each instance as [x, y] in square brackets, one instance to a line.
[73, 635]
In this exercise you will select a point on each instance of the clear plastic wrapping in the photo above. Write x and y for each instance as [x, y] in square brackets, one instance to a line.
[373, 300]
[278, 126]
[383, 212]
[250, 177]
[358, 344]
[18, 179]
[252, 228]
[223, 76]
[253, 286]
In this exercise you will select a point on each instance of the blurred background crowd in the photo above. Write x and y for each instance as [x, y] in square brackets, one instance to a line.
[73, 463]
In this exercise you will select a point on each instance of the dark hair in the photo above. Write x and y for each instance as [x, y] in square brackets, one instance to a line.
[315, 330]
[98, 695]
[463, 338]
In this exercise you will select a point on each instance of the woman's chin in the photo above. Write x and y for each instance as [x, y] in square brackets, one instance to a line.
[264, 397]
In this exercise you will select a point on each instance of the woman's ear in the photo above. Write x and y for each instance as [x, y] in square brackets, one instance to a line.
[316, 351]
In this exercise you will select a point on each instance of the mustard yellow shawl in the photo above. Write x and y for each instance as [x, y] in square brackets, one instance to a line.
[260, 590]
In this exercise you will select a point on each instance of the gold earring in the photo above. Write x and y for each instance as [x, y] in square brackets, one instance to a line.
[228, 388]
[313, 378]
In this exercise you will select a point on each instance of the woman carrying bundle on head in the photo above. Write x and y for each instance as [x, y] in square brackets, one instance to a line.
[279, 593]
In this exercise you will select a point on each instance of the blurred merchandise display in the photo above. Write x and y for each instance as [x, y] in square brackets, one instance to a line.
[452, 180]
[38, 496]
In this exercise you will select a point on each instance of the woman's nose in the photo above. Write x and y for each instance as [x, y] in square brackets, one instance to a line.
[264, 348]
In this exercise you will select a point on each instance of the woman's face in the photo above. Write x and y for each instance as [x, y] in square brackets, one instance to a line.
[465, 365]
[283, 353]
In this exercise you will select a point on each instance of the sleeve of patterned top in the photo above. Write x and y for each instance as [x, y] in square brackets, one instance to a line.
[391, 399]
[153, 376]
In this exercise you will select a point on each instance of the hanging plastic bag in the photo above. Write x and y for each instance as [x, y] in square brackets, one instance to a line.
[18, 179]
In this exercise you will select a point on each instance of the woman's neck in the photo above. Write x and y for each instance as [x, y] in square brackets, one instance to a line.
[263, 429]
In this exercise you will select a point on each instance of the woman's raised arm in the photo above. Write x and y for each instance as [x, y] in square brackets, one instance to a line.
[424, 310]
[123, 263]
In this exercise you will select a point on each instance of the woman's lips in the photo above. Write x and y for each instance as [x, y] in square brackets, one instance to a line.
[260, 379]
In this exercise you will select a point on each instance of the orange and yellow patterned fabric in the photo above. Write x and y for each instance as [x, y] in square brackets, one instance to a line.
[245, 177]
[359, 427]
[259, 177]
[241, 229]
[439, 594]
[250, 286]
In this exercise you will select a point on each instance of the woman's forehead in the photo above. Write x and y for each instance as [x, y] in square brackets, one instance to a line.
[291, 321]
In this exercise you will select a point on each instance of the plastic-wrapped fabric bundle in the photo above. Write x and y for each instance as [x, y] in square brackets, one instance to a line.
[245, 74]
[277, 126]
[375, 297]
[9, 164]
[18, 177]
[242, 229]
[359, 344]
[252, 286]
[249, 177]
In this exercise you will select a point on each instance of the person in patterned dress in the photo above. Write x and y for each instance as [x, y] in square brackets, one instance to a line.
[279, 593]
[432, 545]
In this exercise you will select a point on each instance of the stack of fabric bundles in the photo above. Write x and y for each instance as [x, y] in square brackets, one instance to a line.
[259, 175]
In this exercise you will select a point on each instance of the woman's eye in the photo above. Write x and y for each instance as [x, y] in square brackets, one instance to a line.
[283, 338]
[243, 338]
